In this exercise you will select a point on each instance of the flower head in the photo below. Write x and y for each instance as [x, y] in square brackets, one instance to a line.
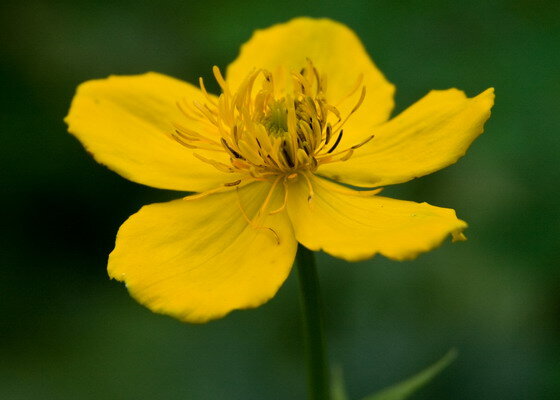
[302, 110]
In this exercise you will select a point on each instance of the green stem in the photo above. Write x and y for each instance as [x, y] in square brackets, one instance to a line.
[315, 343]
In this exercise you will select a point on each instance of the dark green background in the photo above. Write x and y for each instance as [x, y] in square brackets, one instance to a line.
[67, 332]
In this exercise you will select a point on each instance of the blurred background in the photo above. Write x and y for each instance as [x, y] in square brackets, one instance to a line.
[68, 332]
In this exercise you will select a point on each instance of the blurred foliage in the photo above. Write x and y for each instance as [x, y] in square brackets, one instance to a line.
[403, 390]
[68, 332]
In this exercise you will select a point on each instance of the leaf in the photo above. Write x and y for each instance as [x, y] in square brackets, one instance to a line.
[338, 388]
[404, 389]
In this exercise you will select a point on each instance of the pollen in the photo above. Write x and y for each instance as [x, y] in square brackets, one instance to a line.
[267, 136]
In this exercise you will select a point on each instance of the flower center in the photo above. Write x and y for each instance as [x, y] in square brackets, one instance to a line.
[267, 135]
[276, 120]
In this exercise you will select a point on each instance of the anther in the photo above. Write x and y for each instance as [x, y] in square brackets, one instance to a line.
[219, 78]
[233, 152]
[328, 134]
[310, 187]
[360, 100]
[348, 154]
[234, 183]
[356, 146]
[216, 164]
[287, 156]
[335, 145]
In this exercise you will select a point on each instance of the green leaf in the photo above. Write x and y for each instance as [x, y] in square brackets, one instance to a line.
[404, 389]
[338, 388]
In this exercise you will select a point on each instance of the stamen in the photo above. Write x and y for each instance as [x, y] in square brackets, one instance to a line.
[203, 88]
[251, 155]
[268, 196]
[273, 161]
[285, 202]
[187, 110]
[287, 157]
[184, 143]
[328, 133]
[220, 79]
[251, 223]
[267, 134]
[353, 90]
[316, 130]
[339, 125]
[347, 152]
[357, 146]
[216, 164]
[335, 145]
[360, 101]
[357, 193]
[230, 150]
[317, 77]
[335, 111]
[189, 134]
[220, 189]
[206, 111]
[310, 187]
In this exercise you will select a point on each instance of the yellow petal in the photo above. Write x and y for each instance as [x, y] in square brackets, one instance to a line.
[350, 225]
[199, 259]
[125, 122]
[335, 51]
[430, 135]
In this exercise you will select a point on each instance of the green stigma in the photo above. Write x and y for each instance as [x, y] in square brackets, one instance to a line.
[276, 120]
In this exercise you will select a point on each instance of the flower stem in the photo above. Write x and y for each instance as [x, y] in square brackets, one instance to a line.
[312, 310]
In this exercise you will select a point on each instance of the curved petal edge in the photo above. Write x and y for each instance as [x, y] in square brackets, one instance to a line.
[353, 226]
[198, 260]
[430, 135]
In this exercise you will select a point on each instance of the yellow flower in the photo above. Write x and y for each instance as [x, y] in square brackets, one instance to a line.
[302, 107]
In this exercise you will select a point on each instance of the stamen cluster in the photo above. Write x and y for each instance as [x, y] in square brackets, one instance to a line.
[268, 136]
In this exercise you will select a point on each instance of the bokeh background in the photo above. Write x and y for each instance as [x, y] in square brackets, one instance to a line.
[68, 332]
